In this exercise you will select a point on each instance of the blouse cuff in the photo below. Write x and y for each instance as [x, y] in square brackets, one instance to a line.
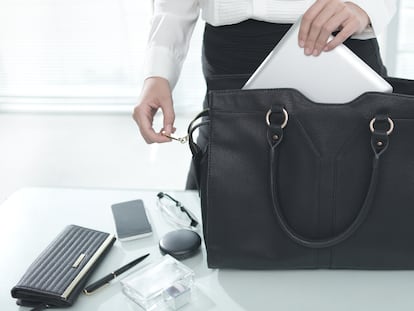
[162, 62]
[379, 14]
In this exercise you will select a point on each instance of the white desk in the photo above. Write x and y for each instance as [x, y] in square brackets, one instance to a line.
[32, 217]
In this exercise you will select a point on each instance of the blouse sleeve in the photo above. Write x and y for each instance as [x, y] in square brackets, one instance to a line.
[380, 13]
[172, 25]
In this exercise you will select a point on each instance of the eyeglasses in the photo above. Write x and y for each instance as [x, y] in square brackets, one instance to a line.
[176, 212]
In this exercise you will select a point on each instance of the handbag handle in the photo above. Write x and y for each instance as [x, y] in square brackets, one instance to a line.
[195, 149]
[379, 143]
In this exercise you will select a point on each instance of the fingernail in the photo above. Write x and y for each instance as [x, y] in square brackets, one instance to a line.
[308, 51]
[325, 48]
[301, 43]
[315, 52]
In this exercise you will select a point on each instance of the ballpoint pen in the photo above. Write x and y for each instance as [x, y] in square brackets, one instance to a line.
[106, 279]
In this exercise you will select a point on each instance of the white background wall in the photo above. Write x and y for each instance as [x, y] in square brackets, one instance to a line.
[86, 53]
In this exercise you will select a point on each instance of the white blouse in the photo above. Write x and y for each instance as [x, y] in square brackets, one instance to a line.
[173, 23]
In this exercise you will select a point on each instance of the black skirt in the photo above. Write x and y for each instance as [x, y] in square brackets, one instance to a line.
[238, 50]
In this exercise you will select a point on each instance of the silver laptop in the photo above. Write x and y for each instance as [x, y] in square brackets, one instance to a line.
[337, 76]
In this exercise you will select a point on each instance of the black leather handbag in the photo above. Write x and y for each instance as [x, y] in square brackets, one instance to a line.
[286, 183]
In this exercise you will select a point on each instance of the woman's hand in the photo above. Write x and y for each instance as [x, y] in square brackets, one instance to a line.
[325, 17]
[156, 94]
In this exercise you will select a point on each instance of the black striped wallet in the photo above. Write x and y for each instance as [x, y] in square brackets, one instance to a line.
[58, 275]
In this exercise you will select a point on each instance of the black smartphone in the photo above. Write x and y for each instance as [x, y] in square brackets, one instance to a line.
[131, 220]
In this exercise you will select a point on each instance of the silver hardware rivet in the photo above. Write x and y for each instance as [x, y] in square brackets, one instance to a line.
[275, 137]
[379, 144]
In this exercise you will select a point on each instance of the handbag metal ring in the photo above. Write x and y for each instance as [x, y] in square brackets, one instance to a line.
[390, 122]
[284, 122]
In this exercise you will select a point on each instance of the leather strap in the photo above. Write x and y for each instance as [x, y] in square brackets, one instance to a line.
[378, 150]
[195, 149]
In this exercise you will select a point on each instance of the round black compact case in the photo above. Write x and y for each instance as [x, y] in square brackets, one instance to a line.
[180, 243]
